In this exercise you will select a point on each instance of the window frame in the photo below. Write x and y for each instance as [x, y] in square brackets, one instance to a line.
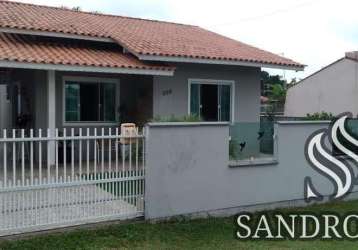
[93, 80]
[231, 83]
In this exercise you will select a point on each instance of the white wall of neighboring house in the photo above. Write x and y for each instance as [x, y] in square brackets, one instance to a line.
[333, 89]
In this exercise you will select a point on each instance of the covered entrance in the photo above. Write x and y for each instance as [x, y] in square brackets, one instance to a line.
[64, 160]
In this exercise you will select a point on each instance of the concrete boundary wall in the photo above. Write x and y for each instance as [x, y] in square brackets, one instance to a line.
[188, 171]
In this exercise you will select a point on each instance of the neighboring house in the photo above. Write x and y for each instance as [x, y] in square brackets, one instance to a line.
[71, 68]
[333, 89]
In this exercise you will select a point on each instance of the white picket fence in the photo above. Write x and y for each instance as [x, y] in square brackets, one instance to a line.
[69, 177]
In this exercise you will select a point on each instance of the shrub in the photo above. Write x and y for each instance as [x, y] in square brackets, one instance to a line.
[233, 149]
[172, 118]
[319, 116]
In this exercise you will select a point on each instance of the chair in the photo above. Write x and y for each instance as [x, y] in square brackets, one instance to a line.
[128, 130]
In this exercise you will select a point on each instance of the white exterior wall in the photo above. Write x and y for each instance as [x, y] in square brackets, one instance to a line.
[334, 89]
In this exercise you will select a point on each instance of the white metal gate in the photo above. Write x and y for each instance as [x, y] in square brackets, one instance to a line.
[68, 178]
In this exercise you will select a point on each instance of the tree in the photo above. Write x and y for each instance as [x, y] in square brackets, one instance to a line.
[271, 79]
[267, 81]
[278, 93]
[277, 98]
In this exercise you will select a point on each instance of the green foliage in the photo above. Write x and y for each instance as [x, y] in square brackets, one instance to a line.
[319, 116]
[277, 98]
[125, 190]
[278, 93]
[266, 78]
[172, 118]
[233, 149]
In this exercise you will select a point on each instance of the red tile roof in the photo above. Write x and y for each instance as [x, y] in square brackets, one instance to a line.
[140, 36]
[30, 49]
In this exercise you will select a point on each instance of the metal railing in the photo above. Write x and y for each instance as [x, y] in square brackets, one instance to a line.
[69, 177]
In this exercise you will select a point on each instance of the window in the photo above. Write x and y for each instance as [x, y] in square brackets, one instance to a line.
[90, 101]
[211, 100]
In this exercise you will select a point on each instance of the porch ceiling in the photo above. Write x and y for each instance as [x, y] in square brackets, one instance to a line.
[24, 51]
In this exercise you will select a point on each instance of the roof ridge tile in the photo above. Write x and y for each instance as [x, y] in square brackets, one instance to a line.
[64, 8]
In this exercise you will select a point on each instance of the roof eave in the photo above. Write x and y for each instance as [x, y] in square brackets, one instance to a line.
[178, 59]
[89, 69]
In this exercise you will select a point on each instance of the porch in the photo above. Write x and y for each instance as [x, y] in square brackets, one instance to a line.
[63, 159]
[40, 99]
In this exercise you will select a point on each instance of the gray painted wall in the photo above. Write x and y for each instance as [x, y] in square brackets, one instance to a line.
[247, 88]
[333, 89]
[130, 89]
[187, 170]
[41, 100]
[33, 97]
[5, 109]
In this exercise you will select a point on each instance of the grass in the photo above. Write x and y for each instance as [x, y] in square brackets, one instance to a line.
[129, 190]
[213, 233]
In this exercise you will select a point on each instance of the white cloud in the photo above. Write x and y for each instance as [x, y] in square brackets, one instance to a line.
[314, 32]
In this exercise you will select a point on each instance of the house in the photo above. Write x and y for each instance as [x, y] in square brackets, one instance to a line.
[333, 89]
[71, 68]
[71, 78]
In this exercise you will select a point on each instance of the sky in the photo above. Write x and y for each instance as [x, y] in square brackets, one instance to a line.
[312, 32]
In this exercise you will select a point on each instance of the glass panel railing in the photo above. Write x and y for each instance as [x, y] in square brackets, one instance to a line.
[249, 141]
